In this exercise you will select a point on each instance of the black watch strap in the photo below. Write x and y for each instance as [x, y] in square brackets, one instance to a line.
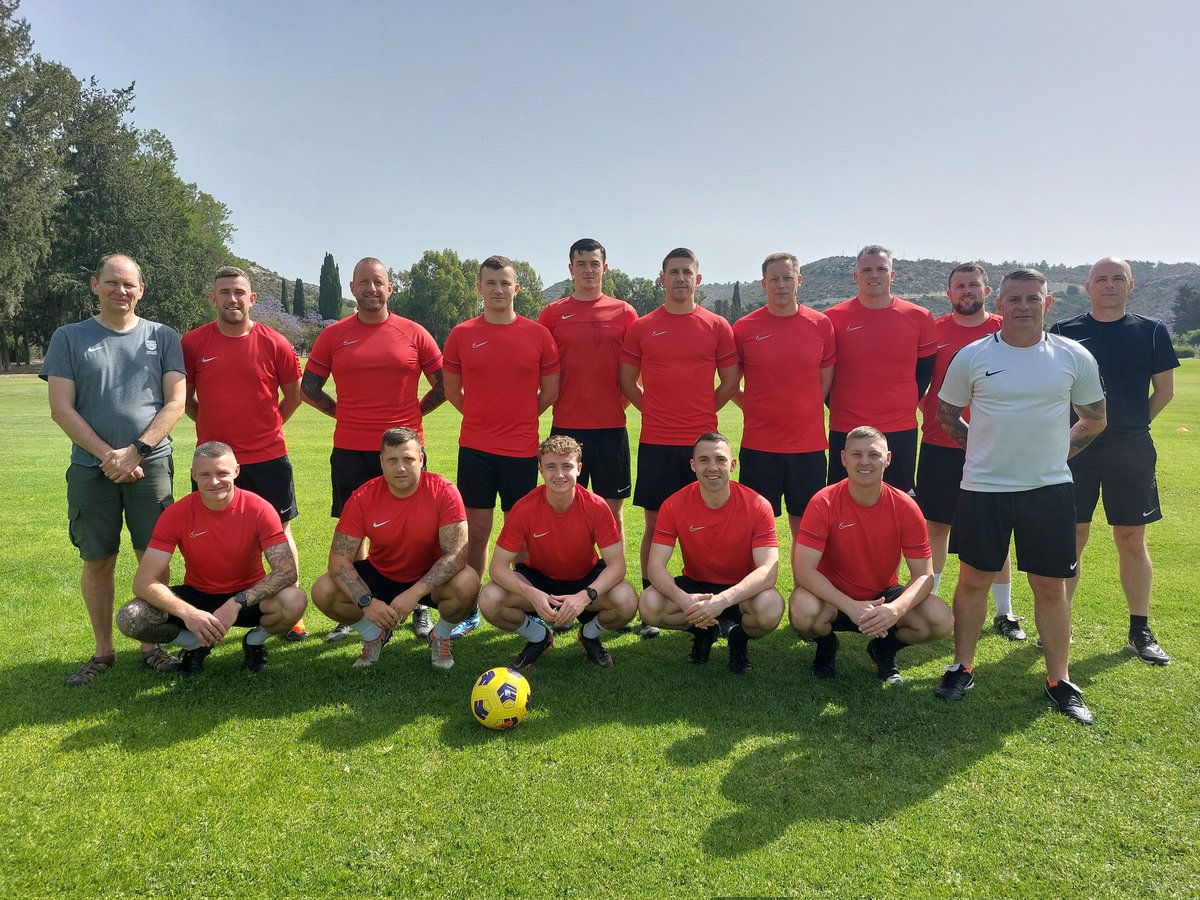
[143, 448]
[591, 592]
[364, 601]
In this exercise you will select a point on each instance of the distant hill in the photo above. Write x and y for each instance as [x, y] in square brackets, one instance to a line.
[828, 281]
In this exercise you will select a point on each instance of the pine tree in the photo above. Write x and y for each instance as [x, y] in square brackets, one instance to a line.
[298, 309]
[284, 300]
[1187, 309]
[329, 294]
[735, 305]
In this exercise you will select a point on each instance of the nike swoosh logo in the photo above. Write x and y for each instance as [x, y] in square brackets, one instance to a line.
[997, 372]
[656, 333]
[853, 327]
[355, 341]
[567, 315]
[380, 524]
[696, 527]
[1081, 340]
[205, 359]
[95, 348]
[1074, 565]
[943, 346]
[477, 346]
[198, 533]
[542, 535]
[1152, 512]
[761, 337]
[627, 487]
[846, 524]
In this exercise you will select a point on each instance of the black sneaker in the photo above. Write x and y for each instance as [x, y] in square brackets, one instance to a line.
[647, 632]
[595, 651]
[1009, 627]
[1146, 647]
[1068, 700]
[739, 653]
[885, 661]
[825, 662]
[955, 683]
[192, 661]
[422, 622]
[254, 656]
[532, 650]
[563, 629]
[702, 641]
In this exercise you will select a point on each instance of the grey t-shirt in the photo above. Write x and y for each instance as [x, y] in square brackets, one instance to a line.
[118, 378]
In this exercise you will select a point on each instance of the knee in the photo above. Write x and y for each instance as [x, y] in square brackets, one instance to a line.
[650, 606]
[762, 613]
[803, 610]
[293, 602]
[1131, 542]
[324, 592]
[625, 599]
[491, 600]
[139, 620]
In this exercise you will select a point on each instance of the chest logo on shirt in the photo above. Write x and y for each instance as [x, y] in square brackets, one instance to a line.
[761, 337]
[657, 333]
[987, 374]
[943, 346]
[541, 535]
[477, 345]
[197, 534]
[380, 524]
[853, 327]
[696, 527]
[151, 347]
[348, 343]
[95, 348]
[846, 524]
[567, 315]
[207, 359]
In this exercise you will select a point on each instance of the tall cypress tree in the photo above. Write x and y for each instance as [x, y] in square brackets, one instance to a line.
[329, 296]
[284, 299]
[735, 305]
[298, 309]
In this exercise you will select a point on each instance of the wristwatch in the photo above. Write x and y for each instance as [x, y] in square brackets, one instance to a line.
[591, 592]
[142, 447]
[364, 601]
[241, 600]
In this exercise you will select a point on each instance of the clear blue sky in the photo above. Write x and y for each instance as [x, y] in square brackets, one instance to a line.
[1021, 130]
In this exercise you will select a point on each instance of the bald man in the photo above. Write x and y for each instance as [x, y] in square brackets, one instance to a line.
[1137, 363]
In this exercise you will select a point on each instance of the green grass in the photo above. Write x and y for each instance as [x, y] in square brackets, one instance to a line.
[653, 779]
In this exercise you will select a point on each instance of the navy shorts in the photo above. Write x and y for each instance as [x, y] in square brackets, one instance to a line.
[790, 477]
[939, 474]
[1124, 471]
[481, 476]
[350, 470]
[381, 587]
[663, 469]
[1040, 521]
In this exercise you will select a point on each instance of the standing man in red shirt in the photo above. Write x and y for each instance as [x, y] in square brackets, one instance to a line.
[940, 468]
[501, 374]
[243, 384]
[786, 353]
[886, 349]
[676, 351]
[845, 561]
[416, 526]
[559, 525]
[376, 359]
[223, 532]
[726, 535]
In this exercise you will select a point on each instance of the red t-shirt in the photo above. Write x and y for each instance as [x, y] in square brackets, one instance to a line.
[951, 337]
[237, 382]
[781, 359]
[377, 371]
[222, 551]
[562, 545]
[403, 532]
[589, 334]
[678, 356]
[862, 545]
[717, 544]
[501, 368]
[877, 351]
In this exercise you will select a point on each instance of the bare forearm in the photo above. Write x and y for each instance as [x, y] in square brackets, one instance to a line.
[162, 423]
[446, 567]
[436, 395]
[753, 584]
[283, 574]
[821, 587]
[75, 427]
[346, 577]
[1093, 419]
[312, 389]
[951, 420]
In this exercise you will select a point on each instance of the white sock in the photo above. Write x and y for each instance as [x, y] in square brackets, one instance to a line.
[937, 582]
[593, 629]
[257, 636]
[1002, 596]
[532, 630]
[368, 629]
[442, 629]
[186, 640]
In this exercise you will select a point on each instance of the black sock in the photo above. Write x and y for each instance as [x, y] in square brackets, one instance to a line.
[697, 632]
[891, 643]
[645, 583]
[1137, 624]
[737, 636]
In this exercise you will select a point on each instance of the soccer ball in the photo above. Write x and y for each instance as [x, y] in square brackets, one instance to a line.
[500, 698]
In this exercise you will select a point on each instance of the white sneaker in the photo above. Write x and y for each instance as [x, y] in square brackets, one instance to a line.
[439, 653]
[370, 652]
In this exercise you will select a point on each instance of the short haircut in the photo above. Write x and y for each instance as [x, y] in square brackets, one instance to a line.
[212, 450]
[497, 263]
[370, 261]
[560, 445]
[713, 436]
[968, 267]
[866, 432]
[680, 253]
[780, 257]
[587, 245]
[229, 272]
[1024, 273]
[874, 250]
[394, 437]
[107, 257]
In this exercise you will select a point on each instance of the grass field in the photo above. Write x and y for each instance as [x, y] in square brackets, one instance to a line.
[651, 779]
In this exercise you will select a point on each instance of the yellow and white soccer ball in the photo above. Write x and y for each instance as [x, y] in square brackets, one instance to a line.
[500, 698]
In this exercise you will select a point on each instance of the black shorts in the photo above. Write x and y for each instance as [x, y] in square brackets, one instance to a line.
[692, 586]
[272, 480]
[939, 474]
[663, 469]
[1041, 521]
[1125, 472]
[900, 474]
[350, 470]
[842, 622]
[561, 588]
[382, 587]
[605, 463]
[481, 476]
[793, 477]
[249, 617]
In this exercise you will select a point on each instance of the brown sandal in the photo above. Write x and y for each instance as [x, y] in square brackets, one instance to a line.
[91, 669]
[160, 660]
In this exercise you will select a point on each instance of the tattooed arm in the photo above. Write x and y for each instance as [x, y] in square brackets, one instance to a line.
[283, 574]
[436, 395]
[1093, 418]
[312, 388]
[951, 420]
[453, 541]
[341, 565]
